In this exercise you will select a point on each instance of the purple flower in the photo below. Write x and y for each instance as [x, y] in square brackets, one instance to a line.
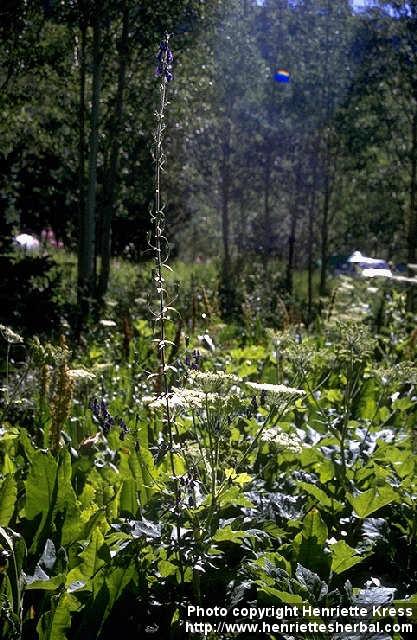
[192, 361]
[123, 429]
[105, 420]
[165, 59]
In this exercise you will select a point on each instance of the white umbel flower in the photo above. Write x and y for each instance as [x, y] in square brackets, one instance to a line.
[180, 399]
[81, 374]
[274, 392]
[9, 335]
[108, 323]
[282, 440]
[214, 381]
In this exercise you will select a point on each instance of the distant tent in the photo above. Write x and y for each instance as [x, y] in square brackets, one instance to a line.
[282, 75]
[27, 242]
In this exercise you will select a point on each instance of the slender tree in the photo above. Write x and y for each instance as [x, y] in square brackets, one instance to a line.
[110, 182]
[87, 262]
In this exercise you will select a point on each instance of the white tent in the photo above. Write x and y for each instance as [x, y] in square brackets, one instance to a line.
[357, 257]
[370, 267]
[27, 242]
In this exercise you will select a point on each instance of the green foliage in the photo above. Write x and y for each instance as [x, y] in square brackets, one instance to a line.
[286, 493]
[277, 465]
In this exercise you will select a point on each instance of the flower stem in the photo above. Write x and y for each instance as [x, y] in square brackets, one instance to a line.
[158, 220]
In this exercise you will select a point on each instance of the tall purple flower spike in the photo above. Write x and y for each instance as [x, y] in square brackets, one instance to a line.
[165, 59]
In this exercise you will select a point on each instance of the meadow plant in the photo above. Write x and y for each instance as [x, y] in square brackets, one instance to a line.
[61, 399]
[159, 245]
[11, 338]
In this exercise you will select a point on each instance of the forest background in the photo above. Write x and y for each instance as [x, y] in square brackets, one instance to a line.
[283, 176]
[250, 435]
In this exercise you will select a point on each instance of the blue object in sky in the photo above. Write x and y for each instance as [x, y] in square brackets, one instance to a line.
[282, 75]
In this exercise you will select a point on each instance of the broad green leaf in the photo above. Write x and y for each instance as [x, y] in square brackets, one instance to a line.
[308, 544]
[48, 492]
[44, 583]
[314, 528]
[226, 534]
[116, 582]
[26, 444]
[246, 369]
[334, 395]
[371, 500]
[384, 414]
[92, 559]
[321, 497]
[311, 582]
[242, 479]
[407, 468]
[129, 497]
[41, 485]
[234, 496]
[367, 406]
[179, 465]
[273, 559]
[167, 568]
[326, 471]
[149, 474]
[280, 596]
[8, 494]
[41, 492]
[72, 526]
[309, 456]
[55, 624]
[402, 404]
[143, 328]
[253, 352]
[343, 557]
[8, 466]
[409, 602]
[238, 478]
[96, 352]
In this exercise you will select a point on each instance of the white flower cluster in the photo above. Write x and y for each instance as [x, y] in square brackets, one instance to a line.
[274, 392]
[108, 323]
[220, 392]
[9, 335]
[81, 374]
[214, 381]
[282, 440]
[180, 399]
[196, 399]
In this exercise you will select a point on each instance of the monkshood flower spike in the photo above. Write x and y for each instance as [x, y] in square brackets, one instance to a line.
[105, 420]
[165, 59]
[163, 309]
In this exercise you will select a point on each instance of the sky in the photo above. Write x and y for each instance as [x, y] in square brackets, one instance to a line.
[357, 4]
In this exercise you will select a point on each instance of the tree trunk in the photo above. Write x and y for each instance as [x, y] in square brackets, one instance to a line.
[412, 221]
[81, 156]
[241, 231]
[226, 287]
[225, 201]
[291, 251]
[324, 249]
[412, 214]
[294, 213]
[266, 241]
[326, 199]
[89, 222]
[110, 182]
[310, 247]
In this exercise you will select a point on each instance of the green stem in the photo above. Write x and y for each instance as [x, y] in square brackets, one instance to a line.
[272, 414]
[7, 372]
[159, 220]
